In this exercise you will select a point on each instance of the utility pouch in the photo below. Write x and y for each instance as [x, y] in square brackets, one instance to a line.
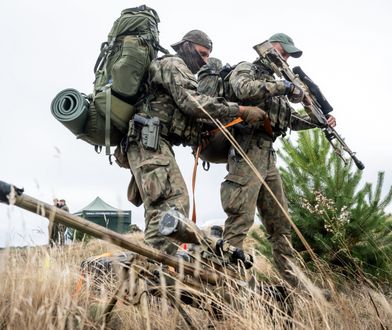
[133, 193]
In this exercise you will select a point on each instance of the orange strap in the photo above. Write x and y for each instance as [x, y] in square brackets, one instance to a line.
[266, 125]
[194, 182]
[197, 156]
[79, 285]
[81, 280]
[232, 123]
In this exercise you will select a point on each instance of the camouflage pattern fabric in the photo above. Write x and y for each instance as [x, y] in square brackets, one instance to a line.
[161, 187]
[208, 78]
[176, 102]
[56, 234]
[259, 82]
[254, 84]
[242, 191]
[57, 230]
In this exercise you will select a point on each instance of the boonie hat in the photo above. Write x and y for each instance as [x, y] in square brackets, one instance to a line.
[287, 44]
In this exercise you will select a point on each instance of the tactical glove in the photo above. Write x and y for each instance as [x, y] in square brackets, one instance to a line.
[252, 115]
[294, 92]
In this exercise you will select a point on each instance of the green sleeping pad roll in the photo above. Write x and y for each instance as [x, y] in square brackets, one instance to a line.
[70, 108]
[77, 112]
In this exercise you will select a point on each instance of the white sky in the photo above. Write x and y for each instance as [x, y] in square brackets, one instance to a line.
[49, 45]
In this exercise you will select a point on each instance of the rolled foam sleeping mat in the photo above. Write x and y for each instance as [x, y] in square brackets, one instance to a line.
[70, 107]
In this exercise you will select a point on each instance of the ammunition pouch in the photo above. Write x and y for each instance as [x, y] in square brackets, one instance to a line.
[279, 113]
[177, 127]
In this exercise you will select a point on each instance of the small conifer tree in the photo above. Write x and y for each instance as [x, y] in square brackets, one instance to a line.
[345, 224]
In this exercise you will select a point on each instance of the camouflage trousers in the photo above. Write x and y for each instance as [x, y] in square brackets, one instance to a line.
[56, 233]
[161, 187]
[242, 192]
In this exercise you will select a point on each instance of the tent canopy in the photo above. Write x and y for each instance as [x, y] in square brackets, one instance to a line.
[101, 213]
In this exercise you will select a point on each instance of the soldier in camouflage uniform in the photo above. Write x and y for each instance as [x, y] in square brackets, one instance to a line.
[57, 230]
[175, 101]
[242, 191]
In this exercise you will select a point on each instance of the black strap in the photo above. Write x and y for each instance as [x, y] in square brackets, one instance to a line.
[206, 165]
[162, 50]
[99, 62]
[98, 149]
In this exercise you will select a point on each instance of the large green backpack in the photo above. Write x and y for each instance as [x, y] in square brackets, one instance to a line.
[120, 79]
[125, 57]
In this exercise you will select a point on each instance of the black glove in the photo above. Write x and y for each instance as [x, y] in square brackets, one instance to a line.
[294, 92]
[238, 255]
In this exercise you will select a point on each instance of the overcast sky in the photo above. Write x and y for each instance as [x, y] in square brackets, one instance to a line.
[49, 45]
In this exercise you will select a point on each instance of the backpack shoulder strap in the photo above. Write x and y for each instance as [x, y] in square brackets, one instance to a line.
[161, 49]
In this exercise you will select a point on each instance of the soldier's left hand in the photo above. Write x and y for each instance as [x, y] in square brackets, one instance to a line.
[331, 120]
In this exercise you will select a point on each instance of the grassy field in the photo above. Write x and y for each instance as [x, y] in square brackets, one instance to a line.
[39, 290]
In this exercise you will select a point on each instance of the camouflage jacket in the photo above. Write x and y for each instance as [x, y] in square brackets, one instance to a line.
[175, 100]
[254, 84]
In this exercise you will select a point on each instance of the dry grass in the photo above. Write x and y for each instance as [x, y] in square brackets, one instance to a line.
[38, 292]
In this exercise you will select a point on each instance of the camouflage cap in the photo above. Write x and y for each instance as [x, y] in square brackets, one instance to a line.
[287, 44]
[196, 37]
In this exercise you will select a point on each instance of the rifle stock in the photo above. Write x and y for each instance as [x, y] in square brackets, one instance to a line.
[319, 106]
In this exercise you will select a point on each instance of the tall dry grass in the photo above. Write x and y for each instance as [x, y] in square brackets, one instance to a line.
[38, 291]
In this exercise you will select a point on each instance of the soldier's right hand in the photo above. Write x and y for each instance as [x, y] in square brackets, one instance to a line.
[252, 115]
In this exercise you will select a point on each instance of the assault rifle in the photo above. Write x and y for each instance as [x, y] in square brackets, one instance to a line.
[319, 108]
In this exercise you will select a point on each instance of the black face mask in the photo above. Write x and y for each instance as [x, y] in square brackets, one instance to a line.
[190, 56]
